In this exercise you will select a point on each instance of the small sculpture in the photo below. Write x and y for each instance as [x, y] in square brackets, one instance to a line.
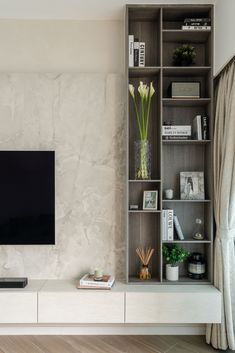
[198, 235]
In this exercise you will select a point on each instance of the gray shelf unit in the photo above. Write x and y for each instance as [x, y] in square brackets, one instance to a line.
[159, 26]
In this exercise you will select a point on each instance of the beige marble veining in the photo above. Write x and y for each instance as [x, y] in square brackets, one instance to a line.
[81, 117]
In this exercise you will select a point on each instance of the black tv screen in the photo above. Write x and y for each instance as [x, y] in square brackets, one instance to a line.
[27, 197]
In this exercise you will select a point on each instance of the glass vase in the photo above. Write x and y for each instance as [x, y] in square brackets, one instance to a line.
[144, 273]
[142, 160]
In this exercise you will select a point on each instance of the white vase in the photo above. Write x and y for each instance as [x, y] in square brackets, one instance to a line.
[172, 272]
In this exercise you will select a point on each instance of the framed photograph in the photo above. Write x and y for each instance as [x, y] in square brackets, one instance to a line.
[150, 200]
[192, 186]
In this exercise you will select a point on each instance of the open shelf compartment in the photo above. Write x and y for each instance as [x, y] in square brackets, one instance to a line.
[136, 192]
[173, 16]
[144, 231]
[202, 248]
[144, 24]
[187, 215]
[154, 125]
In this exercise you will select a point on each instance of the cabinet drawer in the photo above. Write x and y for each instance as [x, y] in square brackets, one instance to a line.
[81, 307]
[173, 307]
[18, 307]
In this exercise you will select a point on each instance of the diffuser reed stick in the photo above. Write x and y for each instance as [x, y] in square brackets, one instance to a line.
[145, 255]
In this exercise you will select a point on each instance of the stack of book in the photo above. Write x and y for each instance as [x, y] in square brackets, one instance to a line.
[88, 282]
[200, 128]
[136, 52]
[176, 132]
[169, 223]
[196, 24]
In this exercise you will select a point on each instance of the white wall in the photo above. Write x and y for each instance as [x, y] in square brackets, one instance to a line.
[81, 117]
[224, 32]
[61, 46]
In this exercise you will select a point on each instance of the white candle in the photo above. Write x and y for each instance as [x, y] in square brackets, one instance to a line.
[98, 273]
[169, 194]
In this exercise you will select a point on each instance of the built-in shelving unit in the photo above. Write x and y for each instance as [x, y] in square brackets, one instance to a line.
[159, 26]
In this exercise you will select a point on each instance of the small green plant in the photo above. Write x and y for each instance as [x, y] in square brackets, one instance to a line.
[184, 55]
[174, 254]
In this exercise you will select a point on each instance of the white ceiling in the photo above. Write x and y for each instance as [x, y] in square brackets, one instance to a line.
[74, 9]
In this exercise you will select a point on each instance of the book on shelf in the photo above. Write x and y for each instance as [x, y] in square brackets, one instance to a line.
[196, 24]
[136, 52]
[163, 225]
[196, 28]
[88, 281]
[141, 54]
[131, 50]
[197, 128]
[178, 228]
[176, 131]
[205, 128]
[174, 138]
[201, 21]
[167, 224]
[201, 127]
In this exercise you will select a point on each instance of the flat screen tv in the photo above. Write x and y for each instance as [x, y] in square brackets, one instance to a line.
[27, 197]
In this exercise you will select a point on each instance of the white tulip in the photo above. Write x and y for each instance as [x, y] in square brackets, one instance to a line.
[143, 90]
[132, 90]
[152, 90]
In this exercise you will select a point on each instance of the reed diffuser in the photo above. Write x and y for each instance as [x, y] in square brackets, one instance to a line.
[145, 257]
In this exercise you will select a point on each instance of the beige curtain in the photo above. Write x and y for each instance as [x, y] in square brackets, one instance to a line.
[221, 336]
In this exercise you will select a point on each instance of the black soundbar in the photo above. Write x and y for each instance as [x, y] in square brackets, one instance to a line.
[13, 282]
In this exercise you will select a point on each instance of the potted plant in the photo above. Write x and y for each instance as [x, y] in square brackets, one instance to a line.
[173, 255]
[142, 145]
[184, 55]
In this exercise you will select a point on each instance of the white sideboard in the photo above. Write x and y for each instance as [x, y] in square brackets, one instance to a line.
[173, 304]
[20, 306]
[59, 302]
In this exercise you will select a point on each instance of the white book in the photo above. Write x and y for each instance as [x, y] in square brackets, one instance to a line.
[197, 127]
[177, 133]
[196, 28]
[169, 130]
[131, 50]
[178, 228]
[177, 127]
[164, 225]
[88, 280]
[141, 54]
[170, 225]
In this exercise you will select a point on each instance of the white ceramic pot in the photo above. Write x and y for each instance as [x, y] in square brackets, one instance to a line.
[172, 272]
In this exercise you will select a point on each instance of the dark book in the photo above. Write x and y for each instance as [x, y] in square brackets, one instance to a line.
[200, 20]
[136, 53]
[195, 24]
[205, 128]
[141, 54]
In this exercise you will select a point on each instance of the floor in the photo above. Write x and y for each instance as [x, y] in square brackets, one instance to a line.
[104, 344]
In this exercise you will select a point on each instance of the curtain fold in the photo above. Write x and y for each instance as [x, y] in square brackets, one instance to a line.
[222, 336]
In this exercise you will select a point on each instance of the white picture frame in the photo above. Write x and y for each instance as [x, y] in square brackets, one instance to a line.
[192, 186]
[150, 200]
